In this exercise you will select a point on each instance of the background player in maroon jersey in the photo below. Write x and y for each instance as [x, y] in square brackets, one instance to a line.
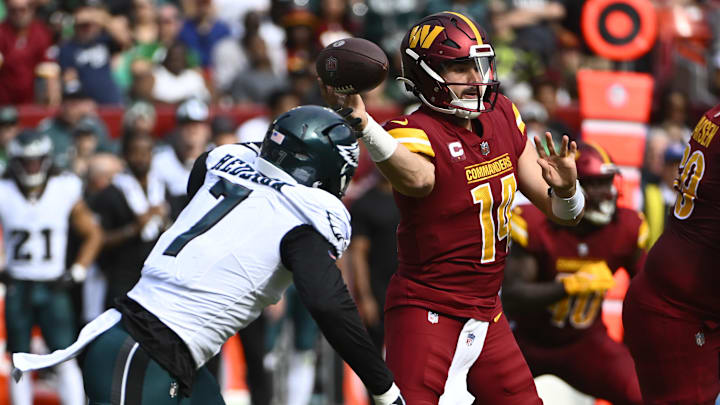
[672, 309]
[556, 279]
[455, 165]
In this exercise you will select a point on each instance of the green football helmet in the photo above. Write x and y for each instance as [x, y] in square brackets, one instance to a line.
[315, 146]
[29, 157]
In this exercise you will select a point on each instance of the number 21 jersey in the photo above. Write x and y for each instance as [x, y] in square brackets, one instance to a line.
[35, 232]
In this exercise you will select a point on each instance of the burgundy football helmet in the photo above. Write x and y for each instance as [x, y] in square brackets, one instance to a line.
[435, 42]
[596, 173]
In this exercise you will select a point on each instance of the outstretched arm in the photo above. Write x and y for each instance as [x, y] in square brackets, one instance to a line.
[411, 174]
[537, 170]
[321, 288]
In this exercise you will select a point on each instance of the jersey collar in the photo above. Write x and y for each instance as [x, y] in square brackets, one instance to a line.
[272, 171]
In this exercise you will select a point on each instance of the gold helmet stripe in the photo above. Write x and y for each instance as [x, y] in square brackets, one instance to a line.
[471, 24]
[601, 151]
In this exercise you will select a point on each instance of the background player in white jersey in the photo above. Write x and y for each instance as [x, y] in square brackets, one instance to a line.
[36, 207]
[253, 226]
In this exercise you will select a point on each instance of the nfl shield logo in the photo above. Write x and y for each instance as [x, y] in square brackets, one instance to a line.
[485, 148]
[700, 339]
[331, 64]
[470, 339]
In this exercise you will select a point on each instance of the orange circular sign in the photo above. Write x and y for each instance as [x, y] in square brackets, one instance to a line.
[620, 30]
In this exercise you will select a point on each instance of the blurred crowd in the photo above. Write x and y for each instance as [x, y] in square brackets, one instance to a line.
[202, 58]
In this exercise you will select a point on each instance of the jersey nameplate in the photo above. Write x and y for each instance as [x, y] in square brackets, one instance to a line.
[239, 168]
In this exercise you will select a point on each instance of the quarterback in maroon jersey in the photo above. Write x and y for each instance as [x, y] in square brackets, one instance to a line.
[455, 165]
[672, 309]
[556, 279]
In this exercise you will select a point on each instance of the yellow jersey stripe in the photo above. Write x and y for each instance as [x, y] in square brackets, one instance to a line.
[471, 24]
[409, 133]
[518, 118]
[518, 231]
[418, 147]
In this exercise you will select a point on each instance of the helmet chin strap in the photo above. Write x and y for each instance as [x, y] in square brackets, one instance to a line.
[467, 105]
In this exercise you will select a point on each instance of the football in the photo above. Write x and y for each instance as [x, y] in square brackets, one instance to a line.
[352, 65]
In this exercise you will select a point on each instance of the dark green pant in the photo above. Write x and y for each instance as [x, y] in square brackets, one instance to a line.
[30, 303]
[117, 371]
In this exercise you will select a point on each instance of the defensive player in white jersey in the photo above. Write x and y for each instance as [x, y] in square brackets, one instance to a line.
[36, 207]
[253, 226]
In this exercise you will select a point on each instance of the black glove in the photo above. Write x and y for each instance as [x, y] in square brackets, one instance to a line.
[346, 112]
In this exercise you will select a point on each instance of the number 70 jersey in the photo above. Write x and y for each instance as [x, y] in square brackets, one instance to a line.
[219, 265]
[452, 243]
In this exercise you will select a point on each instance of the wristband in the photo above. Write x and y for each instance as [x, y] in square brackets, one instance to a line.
[379, 143]
[389, 396]
[568, 208]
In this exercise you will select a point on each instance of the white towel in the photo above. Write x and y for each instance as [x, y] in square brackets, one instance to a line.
[140, 202]
[468, 349]
[24, 362]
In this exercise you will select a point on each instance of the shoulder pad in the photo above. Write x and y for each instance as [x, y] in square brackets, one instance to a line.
[407, 131]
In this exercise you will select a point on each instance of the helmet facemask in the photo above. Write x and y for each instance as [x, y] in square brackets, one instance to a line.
[30, 162]
[601, 199]
[426, 81]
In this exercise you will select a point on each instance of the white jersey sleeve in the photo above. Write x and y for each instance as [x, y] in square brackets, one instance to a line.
[325, 213]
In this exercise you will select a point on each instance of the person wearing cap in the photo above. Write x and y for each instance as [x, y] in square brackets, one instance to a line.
[8, 130]
[87, 55]
[172, 163]
[76, 105]
[659, 197]
[25, 55]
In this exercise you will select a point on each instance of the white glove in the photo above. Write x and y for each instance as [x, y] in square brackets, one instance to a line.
[390, 397]
[78, 272]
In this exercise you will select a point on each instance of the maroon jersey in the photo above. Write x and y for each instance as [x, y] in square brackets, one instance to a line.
[685, 265]
[452, 243]
[561, 251]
